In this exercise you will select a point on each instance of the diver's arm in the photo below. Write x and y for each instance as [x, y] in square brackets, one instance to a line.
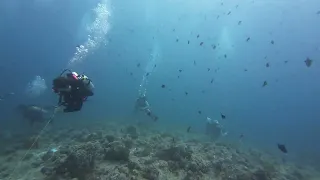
[60, 99]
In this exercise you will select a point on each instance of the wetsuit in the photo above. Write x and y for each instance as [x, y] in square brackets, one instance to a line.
[74, 98]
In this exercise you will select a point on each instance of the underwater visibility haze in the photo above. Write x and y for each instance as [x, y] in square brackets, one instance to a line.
[150, 89]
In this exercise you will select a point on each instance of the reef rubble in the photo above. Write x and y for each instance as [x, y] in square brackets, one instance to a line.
[135, 153]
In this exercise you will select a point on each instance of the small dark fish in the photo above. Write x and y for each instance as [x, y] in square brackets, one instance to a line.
[155, 66]
[237, 6]
[211, 80]
[318, 12]
[177, 40]
[173, 30]
[213, 46]
[229, 13]
[131, 73]
[147, 74]
[173, 140]
[208, 69]
[188, 130]
[282, 148]
[239, 22]
[203, 91]
[285, 62]
[264, 83]
[225, 56]
[180, 70]
[138, 65]
[241, 136]
[186, 93]
[265, 57]
[272, 42]
[178, 77]
[221, 4]
[201, 43]
[223, 116]
[199, 112]
[188, 42]
[163, 86]
[198, 36]
[267, 65]
[194, 63]
[218, 17]
[248, 39]
[308, 62]
[245, 70]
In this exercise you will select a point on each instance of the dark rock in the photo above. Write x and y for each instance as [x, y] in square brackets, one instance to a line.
[151, 173]
[261, 175]
[46, 171]
[175, 153]
[117, 151]
[132, 131]
[110, 138]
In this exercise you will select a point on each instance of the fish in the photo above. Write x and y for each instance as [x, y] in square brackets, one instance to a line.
[208, 69]
[318, 12]
[239, 23]
[201, 43]
[177, 40]
[229, 13]
[211, 80]
[248, 39]
[186, 93]
[272, 42]
[188, 130]
[194, 63]
[138, 65]
[264, 83]
[225, 56]
[33, 113]
[223, 116]
[199, 112]
[213, 46]
[163, 86]
[282, 148]
[188, 42]
[308, 62]
[198, 36]
[180, 70]
[267, 65]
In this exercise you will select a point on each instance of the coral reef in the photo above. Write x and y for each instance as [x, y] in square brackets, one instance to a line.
[137, 154]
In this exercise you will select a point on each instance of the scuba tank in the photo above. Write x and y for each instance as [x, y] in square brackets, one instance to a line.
[87, 82]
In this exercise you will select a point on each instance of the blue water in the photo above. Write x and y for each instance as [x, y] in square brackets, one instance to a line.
[38, 38]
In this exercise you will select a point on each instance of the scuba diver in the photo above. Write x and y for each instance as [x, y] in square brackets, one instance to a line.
[73, 90]
[142, 104]
[214, 129]
[33, 113]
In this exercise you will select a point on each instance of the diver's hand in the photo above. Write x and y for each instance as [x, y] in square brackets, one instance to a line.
[58, 109]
